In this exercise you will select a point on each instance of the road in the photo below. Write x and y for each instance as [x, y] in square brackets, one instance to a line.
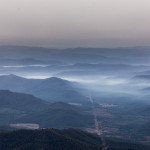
[98, 127]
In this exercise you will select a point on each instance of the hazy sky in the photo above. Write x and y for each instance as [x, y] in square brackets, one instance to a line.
[75, 23]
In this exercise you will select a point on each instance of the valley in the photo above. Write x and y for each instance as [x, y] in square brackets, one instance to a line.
[51, 90]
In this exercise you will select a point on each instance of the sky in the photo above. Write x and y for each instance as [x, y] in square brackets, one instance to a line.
[75, 23]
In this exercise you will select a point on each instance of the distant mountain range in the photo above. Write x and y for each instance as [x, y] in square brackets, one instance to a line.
[26, 61]
[147, 89]
[142, 77]
[74, 55]
[50, 89]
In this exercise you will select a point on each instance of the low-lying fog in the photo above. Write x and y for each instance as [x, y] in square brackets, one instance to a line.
[101, 72]
[117, 82]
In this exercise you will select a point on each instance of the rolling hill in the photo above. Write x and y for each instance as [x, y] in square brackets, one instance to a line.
[61, 115]
[15, 105]
[22, 102]
[50, 89]
[24, 108]
[54, 139]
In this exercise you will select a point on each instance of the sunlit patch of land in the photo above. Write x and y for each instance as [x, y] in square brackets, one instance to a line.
[76, 104]
[25, 126]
